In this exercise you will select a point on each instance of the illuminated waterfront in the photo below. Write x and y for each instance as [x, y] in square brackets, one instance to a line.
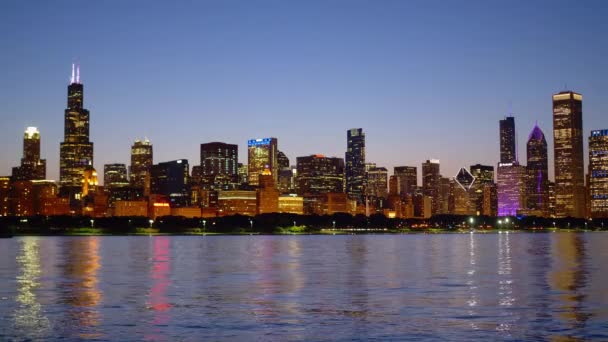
[516, 286]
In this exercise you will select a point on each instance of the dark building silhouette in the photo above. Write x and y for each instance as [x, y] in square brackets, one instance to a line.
[537, 192]
[598, 173]
[32, 167]
[282, 160]
[355, 164]
[76, 151]
[171, 179]
[317, 174]
[508, 153]
[141, 163]
[568, 154]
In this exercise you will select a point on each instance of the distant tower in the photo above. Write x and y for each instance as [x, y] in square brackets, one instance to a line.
[598, 173]
[431, 183]
[263, 155]
[508, 153]
[32, 167]
[537, 191]
[355, 164]
[141, 162]
[568, 154]
[76, 151]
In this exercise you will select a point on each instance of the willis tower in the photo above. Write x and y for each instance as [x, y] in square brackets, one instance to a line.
[76, 151]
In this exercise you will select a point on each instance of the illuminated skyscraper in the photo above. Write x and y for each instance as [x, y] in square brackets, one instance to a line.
[115, 175]
[141, 162]
[484, 189]
[537, 189]
[508, 152]
[32, 167]
[431, 183]
[263, 155]
[568, 154]
[407, 177]
[377, 182]
[511, 188]
[355, 164]
[76, 151]
[317, 174]
[598, 173]
[219, 165]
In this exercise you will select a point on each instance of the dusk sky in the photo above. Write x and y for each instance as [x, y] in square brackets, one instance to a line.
[424, 79]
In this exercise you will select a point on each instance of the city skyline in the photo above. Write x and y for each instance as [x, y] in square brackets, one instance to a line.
[175, 100]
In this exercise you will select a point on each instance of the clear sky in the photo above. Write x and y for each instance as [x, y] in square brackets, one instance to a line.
[424, 79]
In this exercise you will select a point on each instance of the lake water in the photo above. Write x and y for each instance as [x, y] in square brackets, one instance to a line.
[517, 286]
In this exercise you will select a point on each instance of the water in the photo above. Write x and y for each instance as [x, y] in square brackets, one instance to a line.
[515, 286]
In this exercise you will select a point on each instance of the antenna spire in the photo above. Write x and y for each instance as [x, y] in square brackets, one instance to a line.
[78, 74]
[72, 79]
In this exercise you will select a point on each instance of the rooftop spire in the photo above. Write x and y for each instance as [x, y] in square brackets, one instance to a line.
[72, 80]
[78, 74]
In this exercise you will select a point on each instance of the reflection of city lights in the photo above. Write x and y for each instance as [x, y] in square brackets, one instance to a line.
[29, 319]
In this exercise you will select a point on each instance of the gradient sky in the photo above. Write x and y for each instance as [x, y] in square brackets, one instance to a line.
[424, 79]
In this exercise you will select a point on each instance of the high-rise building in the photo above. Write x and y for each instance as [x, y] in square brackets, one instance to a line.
[171, 179]
[219, 166]
[76, 151]
[407, 179]
[511, 188]
[32, 167]
[355, 164]
[568, 154]
[243, 171]
[267, 197]
[463, 193]
[115, 175]
[508, 152]
[282, 160]
[484, 189]
[263, 155]
[431, 183]
[377, 182]
[598, 173]
[318, 174]
[141, 163]
[218, 158]
[537, 192]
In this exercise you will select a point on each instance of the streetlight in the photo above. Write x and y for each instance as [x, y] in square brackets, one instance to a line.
[92, 223]
[294, 223]
[472, 221]
[554, 224]
[204, 224]
[151, 222]
[251, 223]
[334, 223]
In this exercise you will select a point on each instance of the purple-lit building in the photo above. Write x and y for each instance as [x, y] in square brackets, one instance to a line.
[511, 188]
[537, 189]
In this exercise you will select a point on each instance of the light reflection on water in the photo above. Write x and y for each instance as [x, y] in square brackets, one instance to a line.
[514, 286]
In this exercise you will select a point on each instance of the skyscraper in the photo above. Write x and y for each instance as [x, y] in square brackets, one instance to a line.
[32, 167]
[141, 162]
[377, 182]
[318, 174]
[171, 179]
[431, 183]
[511, 188]
[115, 175]
[76, 151]
[537, 191]
[355, 164]
[568, 154]
[598, 173]
[508, 152]
[219, 164]
[263, 155]
[407, 177]
[484, 189]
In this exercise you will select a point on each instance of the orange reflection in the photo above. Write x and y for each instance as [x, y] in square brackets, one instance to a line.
[82, 266]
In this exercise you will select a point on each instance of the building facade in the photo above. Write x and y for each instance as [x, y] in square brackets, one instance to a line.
[318, 174]
[171, 179]
[508, 152]
[598, 173]
[537, 189]
[263, 155]
[407, 177]
[76, 150]
[431, 178]
[115, 175]
[142, 159]
[568, 154]
[32, 167]
[355, 164]
[511, 188]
